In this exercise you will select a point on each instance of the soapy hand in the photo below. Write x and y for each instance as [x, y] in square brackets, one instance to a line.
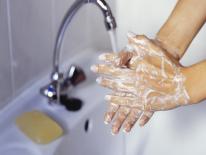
[144, 76]
[123, 113]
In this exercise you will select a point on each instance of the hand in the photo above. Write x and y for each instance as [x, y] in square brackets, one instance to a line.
[149, 74]
[126, 115]
[123, 113]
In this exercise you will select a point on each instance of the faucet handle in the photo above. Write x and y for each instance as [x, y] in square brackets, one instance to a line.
[49, 91]
[75, 75]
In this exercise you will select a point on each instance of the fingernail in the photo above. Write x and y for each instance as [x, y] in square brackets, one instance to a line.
[107, 97]
[125, 130]
[141, 123]
[99, 80]
[115, 130]
[107, 120]
[102, 56]
[94, 68]
[114, 133]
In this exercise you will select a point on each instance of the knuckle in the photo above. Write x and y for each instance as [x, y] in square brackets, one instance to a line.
[142, 37]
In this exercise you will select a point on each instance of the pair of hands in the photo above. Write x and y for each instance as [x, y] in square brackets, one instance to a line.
[144, 79]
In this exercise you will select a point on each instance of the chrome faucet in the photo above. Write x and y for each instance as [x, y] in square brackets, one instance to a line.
[60, 84]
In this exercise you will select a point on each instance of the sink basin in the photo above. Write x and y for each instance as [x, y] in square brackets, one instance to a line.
[91, 136]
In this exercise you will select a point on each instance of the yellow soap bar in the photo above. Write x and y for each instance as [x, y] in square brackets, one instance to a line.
[39, 127]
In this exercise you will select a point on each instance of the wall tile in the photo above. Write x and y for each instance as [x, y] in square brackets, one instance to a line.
[5, 68]
[31, 25]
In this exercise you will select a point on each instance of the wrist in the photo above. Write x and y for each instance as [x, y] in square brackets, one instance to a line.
[171, 50]
[182, 26]
[167, 50]
[195, 81]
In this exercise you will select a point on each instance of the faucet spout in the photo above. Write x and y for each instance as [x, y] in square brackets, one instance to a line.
[109, 20]
[57, 89]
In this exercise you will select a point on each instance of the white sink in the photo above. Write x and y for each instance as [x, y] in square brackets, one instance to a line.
[96, 140]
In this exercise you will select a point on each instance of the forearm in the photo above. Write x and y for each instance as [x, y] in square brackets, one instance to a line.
[196, 81]
[182, 26]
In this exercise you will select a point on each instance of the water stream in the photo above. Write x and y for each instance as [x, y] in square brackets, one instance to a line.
[113, 39]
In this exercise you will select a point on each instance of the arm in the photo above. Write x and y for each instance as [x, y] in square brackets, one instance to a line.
[182, 26]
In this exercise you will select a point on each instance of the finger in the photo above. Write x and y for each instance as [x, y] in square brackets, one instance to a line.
[111, 70]
[125, 101]
[109, 115]
[146, 116]
[131, 119]
[119, 119]
[116, 85]
[123, 94]
[117, 59]
[113, 108]
[134, 102]
[154, 102]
